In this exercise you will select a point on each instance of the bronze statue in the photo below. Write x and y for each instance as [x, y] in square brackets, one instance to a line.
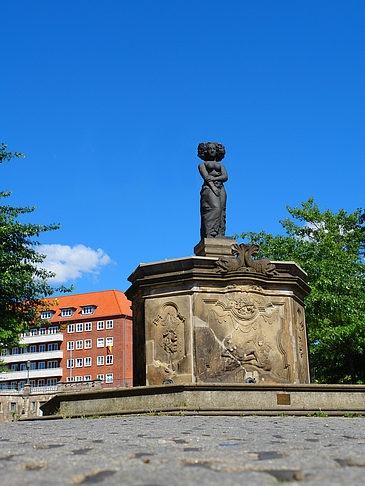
[213, 195]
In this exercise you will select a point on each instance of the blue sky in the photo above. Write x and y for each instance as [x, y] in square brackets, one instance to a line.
[109, 100]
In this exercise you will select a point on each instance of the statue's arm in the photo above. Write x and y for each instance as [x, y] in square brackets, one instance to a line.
[208, 178]
[224, 176]
[203, 172]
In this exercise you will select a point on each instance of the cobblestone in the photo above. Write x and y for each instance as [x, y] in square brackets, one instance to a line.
[180, 450]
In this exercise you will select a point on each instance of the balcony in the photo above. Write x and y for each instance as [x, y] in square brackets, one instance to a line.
[24, 357]
[42, 338]
[33, 374]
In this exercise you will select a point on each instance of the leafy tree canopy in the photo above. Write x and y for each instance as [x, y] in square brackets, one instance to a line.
[330, 248]
[23, 284]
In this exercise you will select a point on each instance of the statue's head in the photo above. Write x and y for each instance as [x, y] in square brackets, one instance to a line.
[211, 151]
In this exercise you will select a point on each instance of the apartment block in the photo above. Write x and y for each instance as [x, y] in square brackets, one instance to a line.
[86, 337]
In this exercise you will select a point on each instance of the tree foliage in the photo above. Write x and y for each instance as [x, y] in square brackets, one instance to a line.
[23, 284]
[330, 248]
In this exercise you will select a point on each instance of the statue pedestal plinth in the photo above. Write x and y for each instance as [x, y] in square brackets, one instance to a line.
[214, 247]
[196, 323]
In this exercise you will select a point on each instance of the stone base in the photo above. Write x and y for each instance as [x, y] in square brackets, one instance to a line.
[214, 247]
[194, 323]
[258, 399]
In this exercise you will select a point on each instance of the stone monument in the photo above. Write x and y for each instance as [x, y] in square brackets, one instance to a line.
[222, 315]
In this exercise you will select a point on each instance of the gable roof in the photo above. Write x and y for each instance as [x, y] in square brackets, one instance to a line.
[107, 303]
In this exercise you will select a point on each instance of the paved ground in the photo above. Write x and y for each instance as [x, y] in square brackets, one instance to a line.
[182, 450]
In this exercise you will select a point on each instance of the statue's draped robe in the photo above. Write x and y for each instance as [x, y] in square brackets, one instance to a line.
[213, 211]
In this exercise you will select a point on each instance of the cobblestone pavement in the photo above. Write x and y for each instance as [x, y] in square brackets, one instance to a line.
[180, 450]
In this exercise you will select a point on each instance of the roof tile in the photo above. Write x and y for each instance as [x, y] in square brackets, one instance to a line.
[107, 302]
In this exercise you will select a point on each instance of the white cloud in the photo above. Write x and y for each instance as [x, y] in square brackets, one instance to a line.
[69, 263]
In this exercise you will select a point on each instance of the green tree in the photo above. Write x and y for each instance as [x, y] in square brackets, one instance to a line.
[330, 248]
[23, 284]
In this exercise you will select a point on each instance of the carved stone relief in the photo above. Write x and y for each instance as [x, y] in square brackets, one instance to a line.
[243, 336]
[301, 340]
[169, 344]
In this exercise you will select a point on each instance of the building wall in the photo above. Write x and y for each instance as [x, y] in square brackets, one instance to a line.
[45, 359]
[120, 356]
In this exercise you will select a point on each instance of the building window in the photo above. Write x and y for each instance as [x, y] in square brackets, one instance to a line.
[78, 378]
[109, 378]
[13, 407]
[5, 352]
[33, 366]
[79, 327]
[109, 341]
[67, 312]
[109, 359]
[52, 364]
[100, 326]
[87, 362]
[100, 360]
[79, 344]
[41, 382]
[100, 377]
[41, 365]
[78, 362]
[87, 309]
[23, 367]
[88, 343]
[70, 363]
[71, 328]
[109, 325]
[100, 342]
[15, 351]
[42, 331]
[33, 349]
[53, 330]
[46, 315]
[14, 367]
[70, 378]
[70, 345]
[33, 332]
[51, 381]
[87, 378]
[53, 347]
[88, 326]
[42, 348]
[14, 385]
[21, 384]
[32, 383]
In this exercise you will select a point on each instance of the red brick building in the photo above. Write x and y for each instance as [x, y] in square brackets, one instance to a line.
[89, 337]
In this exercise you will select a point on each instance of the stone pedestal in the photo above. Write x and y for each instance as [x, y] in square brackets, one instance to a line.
[196, 321]
[216, 247]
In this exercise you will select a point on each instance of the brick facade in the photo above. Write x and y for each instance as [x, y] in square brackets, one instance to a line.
[110, 354]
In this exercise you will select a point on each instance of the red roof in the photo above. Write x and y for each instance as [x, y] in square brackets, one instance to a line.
[107, 303]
